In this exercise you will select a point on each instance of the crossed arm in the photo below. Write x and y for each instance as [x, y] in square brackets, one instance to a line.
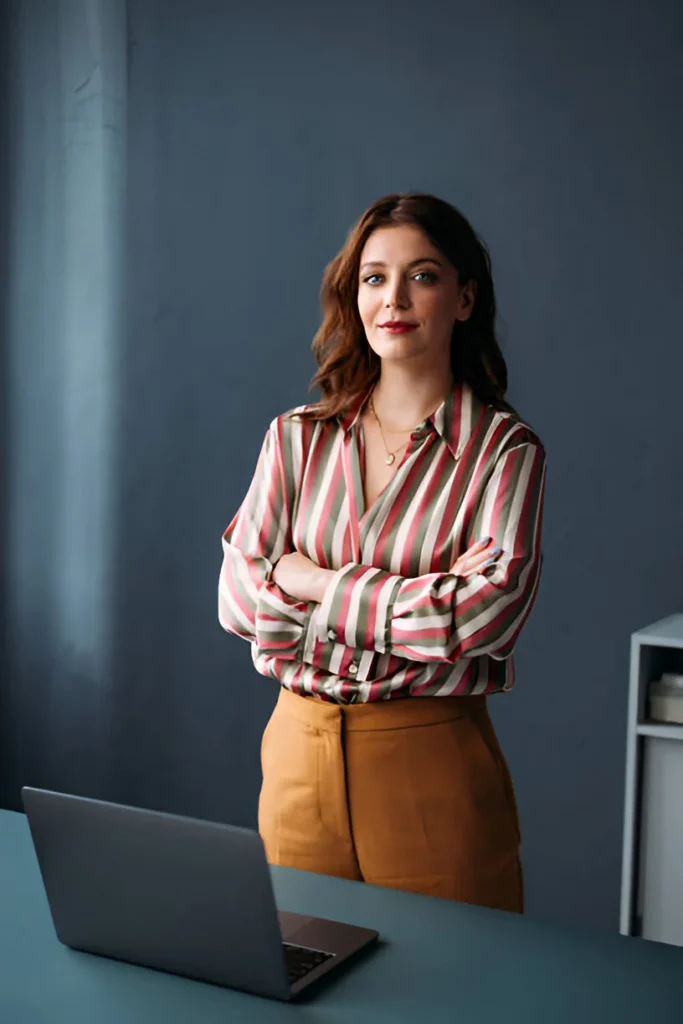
[303, 580]
[294, 610]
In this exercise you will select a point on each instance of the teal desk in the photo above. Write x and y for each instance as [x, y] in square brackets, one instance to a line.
[440, 962]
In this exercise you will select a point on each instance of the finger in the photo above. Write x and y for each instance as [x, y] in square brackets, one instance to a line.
[489, 562]
[476, 549]
[479, 545]
[467, 566]
[490, 555]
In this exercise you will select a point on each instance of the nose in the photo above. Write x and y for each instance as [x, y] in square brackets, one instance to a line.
[397, 294]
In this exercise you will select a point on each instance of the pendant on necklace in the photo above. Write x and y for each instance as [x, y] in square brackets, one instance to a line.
[390, 459]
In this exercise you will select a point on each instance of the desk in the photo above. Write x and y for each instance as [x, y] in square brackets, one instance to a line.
[441, 962]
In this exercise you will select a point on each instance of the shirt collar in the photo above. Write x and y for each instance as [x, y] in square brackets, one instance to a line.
[349, 417]
[454, 420]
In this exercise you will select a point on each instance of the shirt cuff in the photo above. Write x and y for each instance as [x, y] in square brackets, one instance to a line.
[357, 609]
[280, 622]
[331, 656]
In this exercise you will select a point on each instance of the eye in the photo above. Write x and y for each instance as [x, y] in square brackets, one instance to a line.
[372, 278]
[427, 277]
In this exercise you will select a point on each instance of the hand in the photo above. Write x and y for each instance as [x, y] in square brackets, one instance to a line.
[477, 558]
[301, 578]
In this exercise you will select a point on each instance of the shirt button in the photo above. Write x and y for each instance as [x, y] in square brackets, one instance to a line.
[331, 635]
[353, 668]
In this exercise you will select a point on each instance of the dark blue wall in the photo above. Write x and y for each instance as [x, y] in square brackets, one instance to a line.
[257, 134]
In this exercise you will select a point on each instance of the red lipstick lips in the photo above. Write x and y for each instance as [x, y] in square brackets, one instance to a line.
[398, 326]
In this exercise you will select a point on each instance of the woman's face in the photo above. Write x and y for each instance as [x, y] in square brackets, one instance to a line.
[409, 297]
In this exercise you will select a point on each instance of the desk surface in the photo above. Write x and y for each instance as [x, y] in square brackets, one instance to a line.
[440, 961]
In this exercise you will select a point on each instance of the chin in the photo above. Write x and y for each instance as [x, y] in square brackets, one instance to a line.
[400, 347]
[398, 350]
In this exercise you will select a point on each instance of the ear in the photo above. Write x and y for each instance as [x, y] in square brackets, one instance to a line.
[467, 299]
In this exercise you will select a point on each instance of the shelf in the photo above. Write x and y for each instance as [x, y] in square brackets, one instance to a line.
[651, 877]
[660, 729]
[666, 633]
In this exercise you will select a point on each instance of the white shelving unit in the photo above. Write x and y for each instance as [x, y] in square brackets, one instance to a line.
[652, 865]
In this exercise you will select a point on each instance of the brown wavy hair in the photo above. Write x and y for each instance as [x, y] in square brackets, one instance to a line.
[348, 367]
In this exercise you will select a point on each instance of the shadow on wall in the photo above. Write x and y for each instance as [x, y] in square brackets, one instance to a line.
[63, 89]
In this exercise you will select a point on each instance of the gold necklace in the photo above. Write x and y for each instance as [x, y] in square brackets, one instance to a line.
[391, 456]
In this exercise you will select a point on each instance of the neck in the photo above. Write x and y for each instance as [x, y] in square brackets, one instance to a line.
[402, 398]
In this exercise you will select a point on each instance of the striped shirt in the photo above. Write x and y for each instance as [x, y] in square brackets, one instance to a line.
[394, 621]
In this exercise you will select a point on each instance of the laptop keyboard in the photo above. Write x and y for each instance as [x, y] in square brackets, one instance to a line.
[301, 960]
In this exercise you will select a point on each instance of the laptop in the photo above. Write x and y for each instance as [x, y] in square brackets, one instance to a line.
[190, 897]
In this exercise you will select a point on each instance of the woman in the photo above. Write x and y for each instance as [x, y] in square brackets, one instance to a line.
[382, 565]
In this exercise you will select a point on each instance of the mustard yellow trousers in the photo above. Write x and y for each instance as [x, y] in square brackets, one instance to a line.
[410, 794]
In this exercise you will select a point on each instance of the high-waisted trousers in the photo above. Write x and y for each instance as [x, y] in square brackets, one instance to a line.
[411, 794]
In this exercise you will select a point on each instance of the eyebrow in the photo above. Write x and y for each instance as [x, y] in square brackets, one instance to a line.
[423, 259]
